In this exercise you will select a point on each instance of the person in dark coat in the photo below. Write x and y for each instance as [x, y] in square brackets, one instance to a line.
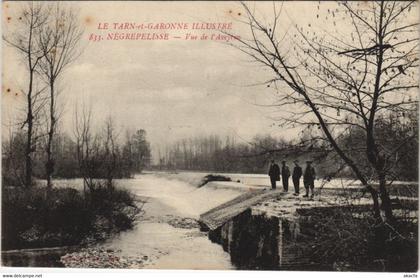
[309, 179]
[285, 174]
[297, 174]
[274, 173]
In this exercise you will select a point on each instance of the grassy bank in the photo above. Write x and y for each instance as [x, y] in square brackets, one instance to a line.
[34, 218]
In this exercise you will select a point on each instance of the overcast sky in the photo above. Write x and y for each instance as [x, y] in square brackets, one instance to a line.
[173, 89]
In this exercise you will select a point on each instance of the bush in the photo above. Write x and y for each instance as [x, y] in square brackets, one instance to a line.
[350, 238]
[33, 217]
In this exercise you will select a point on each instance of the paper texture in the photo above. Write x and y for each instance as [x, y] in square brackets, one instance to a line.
[210, 135]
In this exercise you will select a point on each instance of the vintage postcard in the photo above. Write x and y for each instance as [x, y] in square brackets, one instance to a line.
[256, 135]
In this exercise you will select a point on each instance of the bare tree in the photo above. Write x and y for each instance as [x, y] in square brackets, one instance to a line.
[141, 150]
[12, 157]
[111, 151]
[24, 38]
[336, 82]
[82, 131]
[59, 43]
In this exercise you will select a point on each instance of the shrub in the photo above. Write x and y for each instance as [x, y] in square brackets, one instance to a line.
[350, 238]
[34, 217]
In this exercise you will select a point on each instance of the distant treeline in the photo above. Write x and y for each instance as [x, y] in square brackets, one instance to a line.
[102, 156]
[217, 154]
[225, 154]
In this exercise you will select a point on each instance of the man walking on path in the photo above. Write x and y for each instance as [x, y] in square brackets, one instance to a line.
[309, 179]
[297, 174]
[285, 174]
[274, 174]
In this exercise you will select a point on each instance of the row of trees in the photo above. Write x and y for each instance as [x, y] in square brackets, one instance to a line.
[47, 38]
[105, 154]
[214, 153]
[344, 80]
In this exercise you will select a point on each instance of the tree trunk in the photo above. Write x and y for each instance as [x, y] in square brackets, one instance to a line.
[28, 159]
[374, 194]
[377, 161]
[29, 143]
[385, 200]
[49, 166]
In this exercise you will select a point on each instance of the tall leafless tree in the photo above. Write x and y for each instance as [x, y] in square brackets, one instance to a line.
[24, 37]
[361, 69]
[82, 129]
[59, 42]
[111, 149]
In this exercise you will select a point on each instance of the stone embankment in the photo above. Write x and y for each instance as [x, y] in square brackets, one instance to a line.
[260, 229]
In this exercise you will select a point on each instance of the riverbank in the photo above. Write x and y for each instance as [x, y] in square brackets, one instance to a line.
[36, 218]
[329, 233]
[166, 236]
[271, 232]
[335, 231]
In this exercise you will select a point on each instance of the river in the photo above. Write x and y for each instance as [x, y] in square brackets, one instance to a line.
[166, 234]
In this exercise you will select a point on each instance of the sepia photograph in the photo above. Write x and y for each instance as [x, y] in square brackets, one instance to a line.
[210, 135]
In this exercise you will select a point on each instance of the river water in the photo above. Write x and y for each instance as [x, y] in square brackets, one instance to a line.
[168, 233]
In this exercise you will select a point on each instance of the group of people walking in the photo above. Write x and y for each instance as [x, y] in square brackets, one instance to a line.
[308, 176]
